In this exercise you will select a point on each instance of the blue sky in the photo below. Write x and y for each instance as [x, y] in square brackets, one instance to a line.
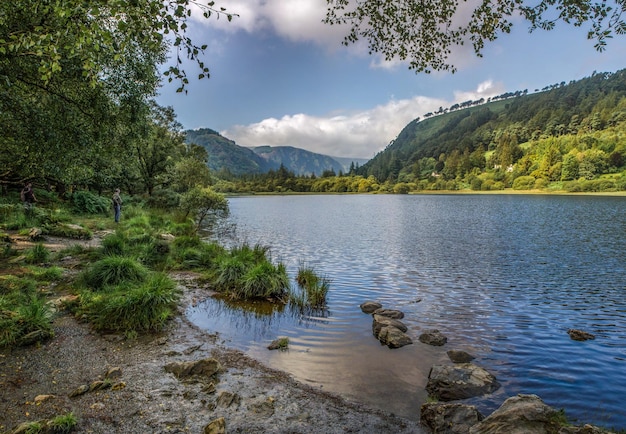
[280, 77]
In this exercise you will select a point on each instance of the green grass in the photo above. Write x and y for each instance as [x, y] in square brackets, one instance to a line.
[314, 289]
[37, 254]
[112, 271]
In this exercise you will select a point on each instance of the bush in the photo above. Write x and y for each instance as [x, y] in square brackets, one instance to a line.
[85, 202]
[163, 199]
[524, 183]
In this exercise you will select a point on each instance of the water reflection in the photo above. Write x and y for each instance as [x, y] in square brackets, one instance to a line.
[504, 277]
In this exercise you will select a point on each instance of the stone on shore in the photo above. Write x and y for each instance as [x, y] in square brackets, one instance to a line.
[459, 381]
[521, 414]
[454, 418]
[217, 426]
[204, 367]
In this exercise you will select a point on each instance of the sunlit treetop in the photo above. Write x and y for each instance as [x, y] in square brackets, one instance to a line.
[423, 32]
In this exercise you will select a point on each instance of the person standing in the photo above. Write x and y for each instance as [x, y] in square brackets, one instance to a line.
[117, 205]
[28, 196]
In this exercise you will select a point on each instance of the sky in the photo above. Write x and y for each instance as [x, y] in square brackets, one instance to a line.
[280, 77]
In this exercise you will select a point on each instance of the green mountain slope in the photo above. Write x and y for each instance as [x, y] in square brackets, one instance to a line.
[507, 130]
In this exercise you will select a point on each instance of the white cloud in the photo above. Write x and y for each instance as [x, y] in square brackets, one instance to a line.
[358, 135]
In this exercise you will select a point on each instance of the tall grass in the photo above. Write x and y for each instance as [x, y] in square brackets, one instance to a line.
[314, 289]
[24, 322]
[113, 270]
[37, 254]
[132, 308]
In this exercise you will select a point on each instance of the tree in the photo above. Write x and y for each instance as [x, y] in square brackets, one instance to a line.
[99, 33]
[424, 31]
[204, 205]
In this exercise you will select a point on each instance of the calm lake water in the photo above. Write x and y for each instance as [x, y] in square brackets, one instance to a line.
[503, 277]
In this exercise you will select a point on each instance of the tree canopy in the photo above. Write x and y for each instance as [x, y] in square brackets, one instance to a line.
[423, 32]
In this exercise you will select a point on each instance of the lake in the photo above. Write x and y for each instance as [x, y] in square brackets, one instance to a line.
[502, 276]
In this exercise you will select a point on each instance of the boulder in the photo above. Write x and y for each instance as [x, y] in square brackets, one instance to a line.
[281, 343]
[370, 306]
[579, 335]
[433, 337]
[521, 414]
[443, 418]
[35, 234]
[393, 337]
[217, 426]
[459, 381]
[585, 429]
[389, 313]
[204, 367]
[457, 356]
[383, 321]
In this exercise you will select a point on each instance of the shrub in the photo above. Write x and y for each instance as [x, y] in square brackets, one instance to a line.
[524, 183]
[112, 271]
[85, 202]
[163, 199]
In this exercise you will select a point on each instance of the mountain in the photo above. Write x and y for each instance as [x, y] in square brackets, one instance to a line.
[226, 156]
[510, 131]
[297, 160]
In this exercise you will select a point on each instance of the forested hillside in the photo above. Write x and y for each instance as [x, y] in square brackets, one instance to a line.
[573, 132]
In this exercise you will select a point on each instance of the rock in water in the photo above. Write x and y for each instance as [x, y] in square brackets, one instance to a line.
[459, 381]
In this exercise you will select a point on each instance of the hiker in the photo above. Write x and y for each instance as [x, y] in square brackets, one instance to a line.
[117, 205]
[28, 196]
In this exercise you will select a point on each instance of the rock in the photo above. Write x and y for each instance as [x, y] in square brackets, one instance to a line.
[579, 335]
[389, 313]
[281, 343]
[264, 408]
[521, 414]
[35, 234]
[80, 390]
[118, 386]
[453, 418]
[113, 373]
[393, 337]
[217, 426]
[383, 321]
[209, 388]
[226, 399]
[585, 429]
[99, 385]
[459, 381]
[457, 356]
[167, 237]
[43, 398]
[204, 367]
[370, 306]
[433, 337]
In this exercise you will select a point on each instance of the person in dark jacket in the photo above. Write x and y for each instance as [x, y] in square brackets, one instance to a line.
[117, 205]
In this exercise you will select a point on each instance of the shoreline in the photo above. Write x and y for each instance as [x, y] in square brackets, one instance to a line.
[36, 382]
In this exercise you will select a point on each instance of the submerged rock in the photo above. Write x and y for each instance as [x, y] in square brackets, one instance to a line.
[459, 381]
[458, 356]
[370, 306]
[579, 335]
[383, 321]
[389, 313]
[393, 337]
[433, 337]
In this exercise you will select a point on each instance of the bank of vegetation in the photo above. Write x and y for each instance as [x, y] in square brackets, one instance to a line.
[123, 284]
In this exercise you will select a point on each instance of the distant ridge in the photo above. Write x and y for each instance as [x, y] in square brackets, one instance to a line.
[225, 156]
